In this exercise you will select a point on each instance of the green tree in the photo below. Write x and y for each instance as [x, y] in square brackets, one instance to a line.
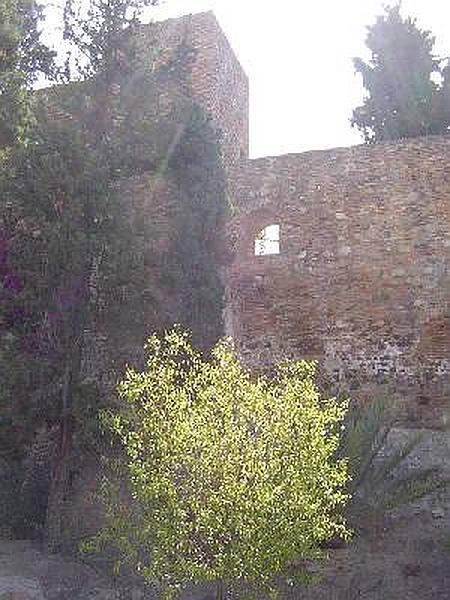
[64, 225]
[231, 478]
[23, 57]
[402, 99]
[442, 107]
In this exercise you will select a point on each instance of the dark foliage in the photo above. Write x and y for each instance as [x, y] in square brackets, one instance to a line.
[23, 58]
[66, 240]
[403, 99]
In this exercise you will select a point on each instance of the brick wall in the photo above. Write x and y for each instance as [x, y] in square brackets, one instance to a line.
[192, 60]
[213, 76]
[361, 282]
[362, 279]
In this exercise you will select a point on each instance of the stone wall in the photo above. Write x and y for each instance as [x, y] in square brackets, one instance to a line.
[362, 280]
[212, 75]
[193, 64]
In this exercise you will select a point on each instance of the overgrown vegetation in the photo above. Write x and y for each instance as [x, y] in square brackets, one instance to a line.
[67, 243]
[231, 478]
[234, 478]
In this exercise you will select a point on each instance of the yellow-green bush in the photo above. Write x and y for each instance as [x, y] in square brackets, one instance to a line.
[232, 478]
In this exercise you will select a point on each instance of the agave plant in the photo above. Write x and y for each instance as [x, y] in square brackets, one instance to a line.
[381, 479]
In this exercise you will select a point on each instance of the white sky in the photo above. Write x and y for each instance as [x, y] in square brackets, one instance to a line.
[298, 59]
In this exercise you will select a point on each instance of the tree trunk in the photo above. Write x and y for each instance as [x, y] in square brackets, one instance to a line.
[59, 488]
[219, 594]
[58, 498]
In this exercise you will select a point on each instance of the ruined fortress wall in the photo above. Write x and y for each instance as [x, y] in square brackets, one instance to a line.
[362, 281]
[213, 76]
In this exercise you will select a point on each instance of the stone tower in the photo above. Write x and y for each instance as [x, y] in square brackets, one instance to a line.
[215, 79]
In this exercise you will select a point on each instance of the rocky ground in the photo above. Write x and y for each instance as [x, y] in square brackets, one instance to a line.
[403, 555]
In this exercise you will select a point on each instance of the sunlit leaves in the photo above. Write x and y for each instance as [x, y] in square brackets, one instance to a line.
[232, 478]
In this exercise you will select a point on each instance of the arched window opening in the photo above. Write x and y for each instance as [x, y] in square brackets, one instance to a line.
[268, 241]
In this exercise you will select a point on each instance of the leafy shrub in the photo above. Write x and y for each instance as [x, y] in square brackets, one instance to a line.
[231, 478]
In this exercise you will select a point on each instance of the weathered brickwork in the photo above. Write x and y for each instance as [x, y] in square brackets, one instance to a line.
[193, 64]
[362, 280]
[213, 76]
